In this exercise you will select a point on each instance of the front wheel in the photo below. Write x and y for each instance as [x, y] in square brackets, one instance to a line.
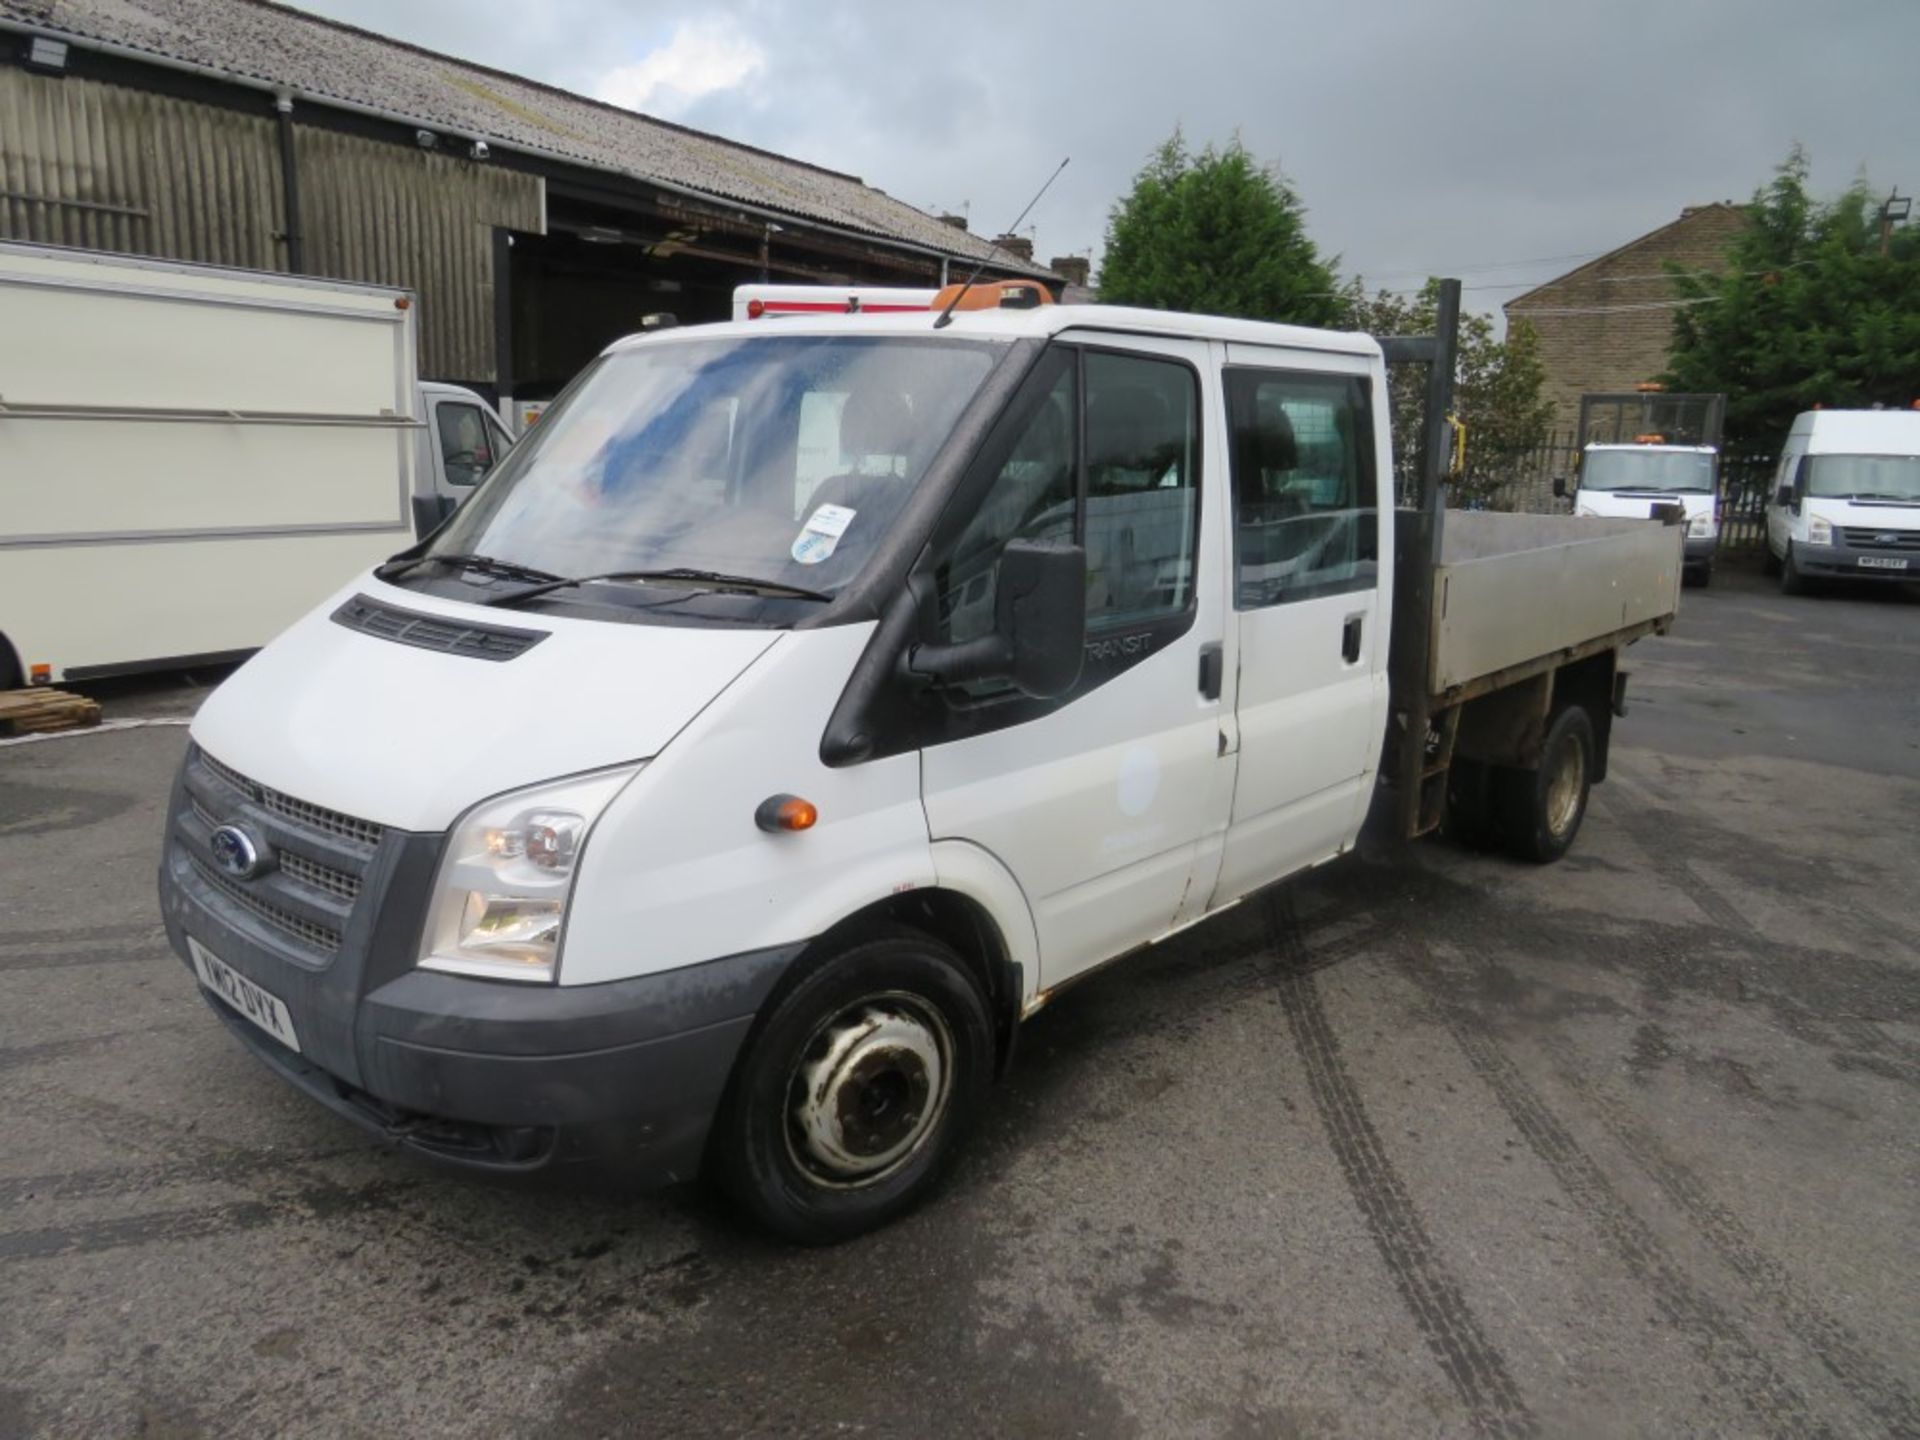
[1540, 810]
[1792, 582]
[1770, 564]
[851, 1101]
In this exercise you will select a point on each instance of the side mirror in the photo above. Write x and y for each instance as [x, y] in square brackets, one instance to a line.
[430, 512]
[1039, 625]
[1559, 487]
[1784, 496]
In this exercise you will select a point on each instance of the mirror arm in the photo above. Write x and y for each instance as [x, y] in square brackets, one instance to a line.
[983, 658]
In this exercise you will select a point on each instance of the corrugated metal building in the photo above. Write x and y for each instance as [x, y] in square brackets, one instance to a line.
[535, 225]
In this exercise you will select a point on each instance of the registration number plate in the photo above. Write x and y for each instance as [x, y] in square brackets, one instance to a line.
[260, 1006]
[1883, 562]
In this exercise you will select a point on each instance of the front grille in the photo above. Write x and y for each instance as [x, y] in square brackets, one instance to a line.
[321, 877]
[319, 937]
[1862, 537]
[435, 632]
[314, 817]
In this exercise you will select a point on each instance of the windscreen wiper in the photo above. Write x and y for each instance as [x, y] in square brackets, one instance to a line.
[706, 579]
[487, 564]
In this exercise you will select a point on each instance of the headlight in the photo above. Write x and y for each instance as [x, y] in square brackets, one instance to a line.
[1819, 530]
[501, 895]
[1701, 526]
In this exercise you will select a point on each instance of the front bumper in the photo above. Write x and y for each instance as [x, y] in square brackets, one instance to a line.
[1699, 552]
[491, 1075]
[1851, 562]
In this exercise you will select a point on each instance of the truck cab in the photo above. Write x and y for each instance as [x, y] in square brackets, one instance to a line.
[1636, 481]
[1846, 499]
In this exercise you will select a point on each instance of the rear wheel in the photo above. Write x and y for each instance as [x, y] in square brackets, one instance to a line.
[1539, 811]
[851, 1101]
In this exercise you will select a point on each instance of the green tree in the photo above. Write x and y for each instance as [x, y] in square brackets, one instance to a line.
[1498, 390]
[1807, 312]
[1217, 233]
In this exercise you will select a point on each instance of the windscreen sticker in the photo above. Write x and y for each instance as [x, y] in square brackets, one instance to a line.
[820, 536]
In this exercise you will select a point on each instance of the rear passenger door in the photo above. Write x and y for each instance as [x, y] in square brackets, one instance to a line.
[1309, 608]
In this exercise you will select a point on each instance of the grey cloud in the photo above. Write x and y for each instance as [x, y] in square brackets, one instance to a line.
[1420, 135]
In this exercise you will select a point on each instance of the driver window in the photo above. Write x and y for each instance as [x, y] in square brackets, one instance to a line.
[466, 450]
[1305, 522]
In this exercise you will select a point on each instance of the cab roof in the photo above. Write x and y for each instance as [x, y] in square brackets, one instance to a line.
[1042, 322]
[1859, 432]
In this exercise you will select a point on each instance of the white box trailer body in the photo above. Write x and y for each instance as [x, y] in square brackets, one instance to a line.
[191, 456]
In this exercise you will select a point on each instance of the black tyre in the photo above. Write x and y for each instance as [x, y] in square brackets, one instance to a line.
[854, 1093]
[11, 675]
[1539, 811]
[1705, 577]
[1792, 582]
[1469, 820]
[1770, 562]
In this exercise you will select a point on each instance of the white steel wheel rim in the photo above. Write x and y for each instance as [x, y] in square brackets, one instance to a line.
[870, 1086]
[1565, 784]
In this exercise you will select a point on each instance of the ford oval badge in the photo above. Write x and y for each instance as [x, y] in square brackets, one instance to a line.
[234, 851]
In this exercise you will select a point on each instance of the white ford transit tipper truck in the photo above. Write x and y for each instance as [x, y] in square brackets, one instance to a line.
[801, 705]
[1846, 503]
[191, 456]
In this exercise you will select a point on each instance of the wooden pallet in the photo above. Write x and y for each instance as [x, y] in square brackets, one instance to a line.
[27, 712]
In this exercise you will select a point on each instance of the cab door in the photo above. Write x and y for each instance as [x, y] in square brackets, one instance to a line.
[1106, 805]
[1310, 602]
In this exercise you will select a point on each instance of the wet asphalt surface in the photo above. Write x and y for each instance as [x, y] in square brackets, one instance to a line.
[1445, 1145]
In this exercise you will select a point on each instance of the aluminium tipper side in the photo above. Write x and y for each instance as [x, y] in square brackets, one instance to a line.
[1514, 589]
[190, 457]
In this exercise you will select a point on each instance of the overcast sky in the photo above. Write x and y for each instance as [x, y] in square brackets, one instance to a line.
[1455, 137]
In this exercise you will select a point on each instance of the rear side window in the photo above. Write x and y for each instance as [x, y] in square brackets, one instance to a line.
[1304, 497]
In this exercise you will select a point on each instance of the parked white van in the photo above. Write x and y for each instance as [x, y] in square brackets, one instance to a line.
[1846, 503]
[1632, 482]
[801, 705]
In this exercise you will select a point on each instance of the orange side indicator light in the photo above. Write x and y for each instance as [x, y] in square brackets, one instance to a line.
[40, 674]
[785, 812]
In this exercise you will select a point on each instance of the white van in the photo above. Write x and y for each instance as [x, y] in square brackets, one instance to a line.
[1846, 502]
[1621, 482]
[191, 456]
[803, 704]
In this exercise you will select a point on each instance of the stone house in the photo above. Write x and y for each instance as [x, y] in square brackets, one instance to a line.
[1607, 325]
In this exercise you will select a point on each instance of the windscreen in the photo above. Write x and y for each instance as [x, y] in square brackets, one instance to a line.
[779, 458]
[1668, 471]
[1864, 477]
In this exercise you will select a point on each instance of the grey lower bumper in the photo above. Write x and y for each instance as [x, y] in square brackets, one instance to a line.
[501, 1076]
[1699, 551]
[1846, 562]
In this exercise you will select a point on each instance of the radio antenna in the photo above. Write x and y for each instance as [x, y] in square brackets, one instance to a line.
[946, 315]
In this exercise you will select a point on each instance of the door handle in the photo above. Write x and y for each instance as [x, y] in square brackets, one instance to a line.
[1212, 664]
[1350, 639]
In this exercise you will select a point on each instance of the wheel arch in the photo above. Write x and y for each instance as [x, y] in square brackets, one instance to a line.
[13, 670]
